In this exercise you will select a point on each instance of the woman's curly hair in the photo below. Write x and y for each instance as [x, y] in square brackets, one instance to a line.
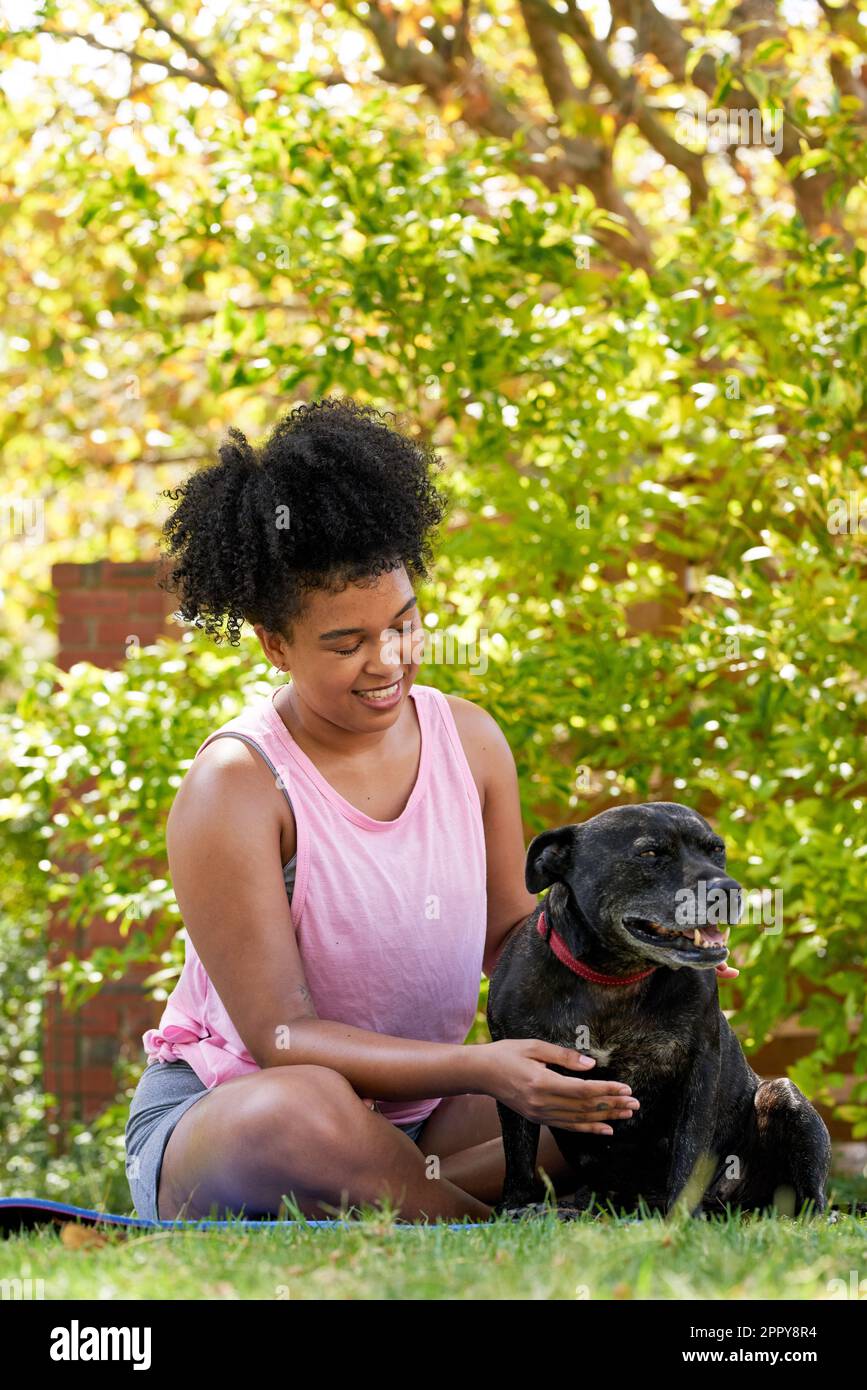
[334, 496]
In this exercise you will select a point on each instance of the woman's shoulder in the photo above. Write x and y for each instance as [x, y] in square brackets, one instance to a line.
[471, 717]
[481, 739]
[230, 772]
[227, 755]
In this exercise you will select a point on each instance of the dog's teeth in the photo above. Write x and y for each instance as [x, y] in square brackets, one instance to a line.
[725, 935]
[696, 940]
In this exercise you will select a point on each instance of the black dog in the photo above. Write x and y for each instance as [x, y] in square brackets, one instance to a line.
[619, 962]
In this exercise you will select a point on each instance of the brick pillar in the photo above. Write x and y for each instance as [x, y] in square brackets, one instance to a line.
[102, 607]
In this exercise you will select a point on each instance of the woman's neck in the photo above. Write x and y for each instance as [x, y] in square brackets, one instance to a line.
[316, 735]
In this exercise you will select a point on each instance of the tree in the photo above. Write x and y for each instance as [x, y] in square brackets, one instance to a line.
[646, 376]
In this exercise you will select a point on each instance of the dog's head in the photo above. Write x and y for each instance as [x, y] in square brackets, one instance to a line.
[645, 881]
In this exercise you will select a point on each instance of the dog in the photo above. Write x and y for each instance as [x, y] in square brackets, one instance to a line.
[619, 962]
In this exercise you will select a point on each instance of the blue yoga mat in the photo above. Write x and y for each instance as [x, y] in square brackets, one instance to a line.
[25, 1213]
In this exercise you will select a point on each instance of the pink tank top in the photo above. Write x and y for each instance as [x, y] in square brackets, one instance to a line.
[390, 916]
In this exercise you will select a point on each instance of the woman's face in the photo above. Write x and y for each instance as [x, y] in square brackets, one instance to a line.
[360, 640]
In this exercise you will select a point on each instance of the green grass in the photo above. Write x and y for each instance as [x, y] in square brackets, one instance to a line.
[602, 1257]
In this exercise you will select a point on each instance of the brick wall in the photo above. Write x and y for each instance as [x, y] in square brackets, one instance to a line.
[103, 607]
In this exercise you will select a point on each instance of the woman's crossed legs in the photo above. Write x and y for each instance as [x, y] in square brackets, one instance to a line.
[284, 1131]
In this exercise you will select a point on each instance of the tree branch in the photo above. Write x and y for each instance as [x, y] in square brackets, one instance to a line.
[135, 56]
[849, 84]
[625, 92]
[660, 35]
[567, 161]
[545, 41]
[193, 51]
[845, 20]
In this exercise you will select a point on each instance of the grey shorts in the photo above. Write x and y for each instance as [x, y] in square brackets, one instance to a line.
[164, 1092]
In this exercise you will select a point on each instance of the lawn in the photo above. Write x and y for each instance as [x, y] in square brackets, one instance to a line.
[593, 1257]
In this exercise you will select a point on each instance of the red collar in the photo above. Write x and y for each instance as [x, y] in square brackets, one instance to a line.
[562, 952]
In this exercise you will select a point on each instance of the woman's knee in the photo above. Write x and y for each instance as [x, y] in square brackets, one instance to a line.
[287, 1120]
[308, 1103]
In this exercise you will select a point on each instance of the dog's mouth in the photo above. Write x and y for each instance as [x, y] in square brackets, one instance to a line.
[705, 941]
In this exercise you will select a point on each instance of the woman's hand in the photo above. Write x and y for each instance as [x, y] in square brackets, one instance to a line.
[515, 1072]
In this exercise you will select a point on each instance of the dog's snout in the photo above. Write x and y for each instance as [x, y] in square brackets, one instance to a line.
[724, 883]
[726, 893]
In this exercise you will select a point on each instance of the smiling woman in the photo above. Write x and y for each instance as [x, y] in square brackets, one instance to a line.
[332, 850]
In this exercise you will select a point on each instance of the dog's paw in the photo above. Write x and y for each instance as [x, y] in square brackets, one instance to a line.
[563, 1211]
[510, 1206]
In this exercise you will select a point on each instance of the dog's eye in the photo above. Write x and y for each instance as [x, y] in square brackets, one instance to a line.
[651, 852]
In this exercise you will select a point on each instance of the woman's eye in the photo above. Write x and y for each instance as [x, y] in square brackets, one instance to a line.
[350, 651]
[403, 645]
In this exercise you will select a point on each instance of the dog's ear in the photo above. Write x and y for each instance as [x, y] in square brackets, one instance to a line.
[549, 858]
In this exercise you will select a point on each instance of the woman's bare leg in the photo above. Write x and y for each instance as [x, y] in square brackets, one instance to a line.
[299, 1130]
[464, 1131]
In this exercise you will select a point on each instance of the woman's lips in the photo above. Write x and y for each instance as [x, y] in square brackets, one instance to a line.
[380, 702]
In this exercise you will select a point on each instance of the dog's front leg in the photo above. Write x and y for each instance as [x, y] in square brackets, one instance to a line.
[520, 1146]
[693, 1132]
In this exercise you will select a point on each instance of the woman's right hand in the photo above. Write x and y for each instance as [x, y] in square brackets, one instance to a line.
[516, 1073]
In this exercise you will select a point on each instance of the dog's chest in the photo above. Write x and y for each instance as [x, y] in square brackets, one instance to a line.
[627, 1049]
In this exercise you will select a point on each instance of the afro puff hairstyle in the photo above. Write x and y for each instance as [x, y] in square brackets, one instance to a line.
[334, 496]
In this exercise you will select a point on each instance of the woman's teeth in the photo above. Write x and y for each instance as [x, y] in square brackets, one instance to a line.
[377, 695]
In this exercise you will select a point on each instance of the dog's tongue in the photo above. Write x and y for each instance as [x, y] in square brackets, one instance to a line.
[715, 935]
[726, 971]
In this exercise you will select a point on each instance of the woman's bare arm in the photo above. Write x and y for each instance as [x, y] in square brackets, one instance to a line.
[223, 841]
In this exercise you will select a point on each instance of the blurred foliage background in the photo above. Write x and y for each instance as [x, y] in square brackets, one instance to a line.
[609, 259]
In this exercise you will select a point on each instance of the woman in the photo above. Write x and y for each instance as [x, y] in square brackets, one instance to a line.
[347, 859]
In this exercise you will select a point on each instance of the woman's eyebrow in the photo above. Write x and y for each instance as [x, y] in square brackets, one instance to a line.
[350, 631]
